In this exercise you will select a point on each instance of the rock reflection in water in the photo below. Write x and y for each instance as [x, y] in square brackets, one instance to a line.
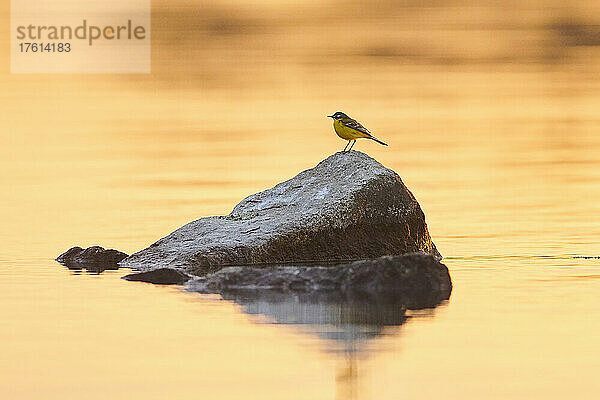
[92, 269]
[346, 321]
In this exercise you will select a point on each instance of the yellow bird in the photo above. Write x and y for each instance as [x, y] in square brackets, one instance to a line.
[350, 129]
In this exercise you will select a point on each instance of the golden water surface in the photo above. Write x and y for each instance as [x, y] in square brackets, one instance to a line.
[491, 110]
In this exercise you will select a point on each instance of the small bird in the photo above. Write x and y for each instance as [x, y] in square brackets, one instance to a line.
[350, 129]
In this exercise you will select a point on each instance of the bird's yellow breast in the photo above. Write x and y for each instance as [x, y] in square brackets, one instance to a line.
[347, 133]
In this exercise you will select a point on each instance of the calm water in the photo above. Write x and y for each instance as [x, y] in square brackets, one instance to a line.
[498, 140]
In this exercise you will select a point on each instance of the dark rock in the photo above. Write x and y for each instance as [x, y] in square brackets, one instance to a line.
[414, 280]
[161, 276]
[347, 207]
[94, 258]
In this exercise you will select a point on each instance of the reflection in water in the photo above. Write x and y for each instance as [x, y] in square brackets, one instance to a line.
[346, 323]
[346, 379]
[93, 269]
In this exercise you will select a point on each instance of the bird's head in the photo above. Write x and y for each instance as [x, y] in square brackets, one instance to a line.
[338, 115]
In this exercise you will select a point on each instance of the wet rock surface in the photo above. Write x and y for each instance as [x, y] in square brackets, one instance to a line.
[161, 276]
[347, 207]
[94, 258]
[412, 280]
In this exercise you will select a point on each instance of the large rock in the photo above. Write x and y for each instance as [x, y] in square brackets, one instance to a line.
[348, 207]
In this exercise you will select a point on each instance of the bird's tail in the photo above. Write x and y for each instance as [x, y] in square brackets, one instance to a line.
[377, 140]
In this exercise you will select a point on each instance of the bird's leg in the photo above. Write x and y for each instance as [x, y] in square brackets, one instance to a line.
[346, 146]
[354, 141]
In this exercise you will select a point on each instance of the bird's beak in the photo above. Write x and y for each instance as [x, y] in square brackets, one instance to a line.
[330, 116]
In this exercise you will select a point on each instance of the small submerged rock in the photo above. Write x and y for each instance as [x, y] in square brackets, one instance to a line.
[94, 257]
[161, 276]
[416, 280]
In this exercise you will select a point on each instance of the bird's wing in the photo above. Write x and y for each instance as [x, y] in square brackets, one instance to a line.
[354, 124]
